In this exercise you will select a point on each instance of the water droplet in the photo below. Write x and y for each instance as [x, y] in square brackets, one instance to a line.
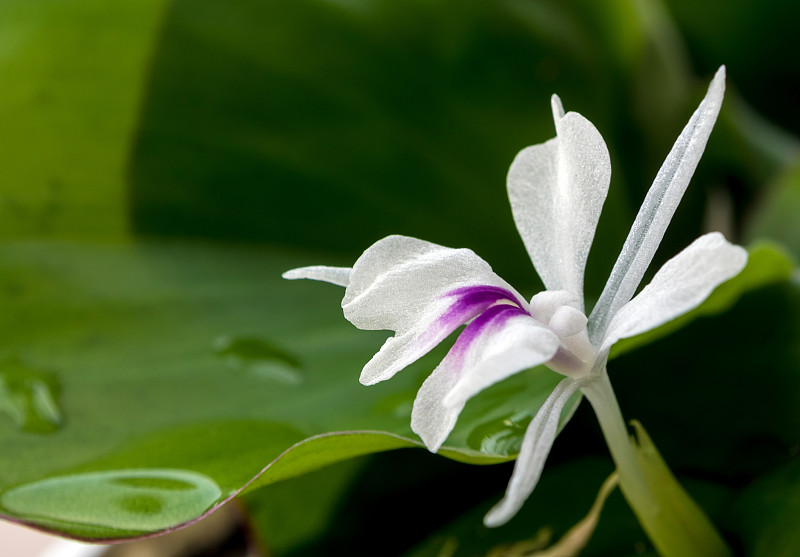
[130, 501]
[29, 397]
[502, 436]
[260, 359]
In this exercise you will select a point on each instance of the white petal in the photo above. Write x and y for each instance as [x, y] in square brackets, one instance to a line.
[423, 292]
[536, 446]
[657, 209]
[557, 190]
[339, 276]
[502, 341]
[679, 286]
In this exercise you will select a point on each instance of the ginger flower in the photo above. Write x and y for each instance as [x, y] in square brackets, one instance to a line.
[424, 292]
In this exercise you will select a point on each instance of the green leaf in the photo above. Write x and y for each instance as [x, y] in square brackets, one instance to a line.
[73, 74]
[142, 385]
[767, 264]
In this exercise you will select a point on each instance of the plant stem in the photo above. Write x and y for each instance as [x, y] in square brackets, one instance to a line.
[674, 522]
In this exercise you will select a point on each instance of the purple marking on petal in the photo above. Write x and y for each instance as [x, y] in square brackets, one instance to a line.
[471, 301]
[493, 318]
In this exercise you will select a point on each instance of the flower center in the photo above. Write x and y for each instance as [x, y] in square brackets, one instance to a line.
[560, 312]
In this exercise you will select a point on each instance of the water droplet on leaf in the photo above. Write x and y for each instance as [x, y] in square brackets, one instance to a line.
[502, 436]
[260, 359]
[29, 397]
[131, 501]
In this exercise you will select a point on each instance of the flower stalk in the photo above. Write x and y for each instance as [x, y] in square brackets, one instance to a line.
[674, 523]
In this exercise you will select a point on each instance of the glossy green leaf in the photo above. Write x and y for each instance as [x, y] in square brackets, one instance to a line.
[141, 385]
[73, 75]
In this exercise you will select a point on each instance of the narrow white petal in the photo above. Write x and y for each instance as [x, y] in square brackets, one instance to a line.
[536, 446]
[557, 108]
[657, 209]
[557, 190]
[501, 342]
[422, 292]
[679, 286]
[339, 276]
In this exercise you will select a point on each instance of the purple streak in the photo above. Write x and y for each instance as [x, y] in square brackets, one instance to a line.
[490, 320]
[472, 301]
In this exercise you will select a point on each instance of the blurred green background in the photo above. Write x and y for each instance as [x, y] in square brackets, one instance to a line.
[307, 129]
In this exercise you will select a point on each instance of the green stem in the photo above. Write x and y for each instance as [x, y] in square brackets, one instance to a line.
[602, 398]
[674, 522]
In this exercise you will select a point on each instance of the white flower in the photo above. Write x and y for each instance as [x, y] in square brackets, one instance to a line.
[424, 292]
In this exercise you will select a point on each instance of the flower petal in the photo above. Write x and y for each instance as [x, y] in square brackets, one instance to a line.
[423, 292]
[657, 209]
[536, 446]
[339, 276]
[679, 286]
[557, 190]
[502, 341]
